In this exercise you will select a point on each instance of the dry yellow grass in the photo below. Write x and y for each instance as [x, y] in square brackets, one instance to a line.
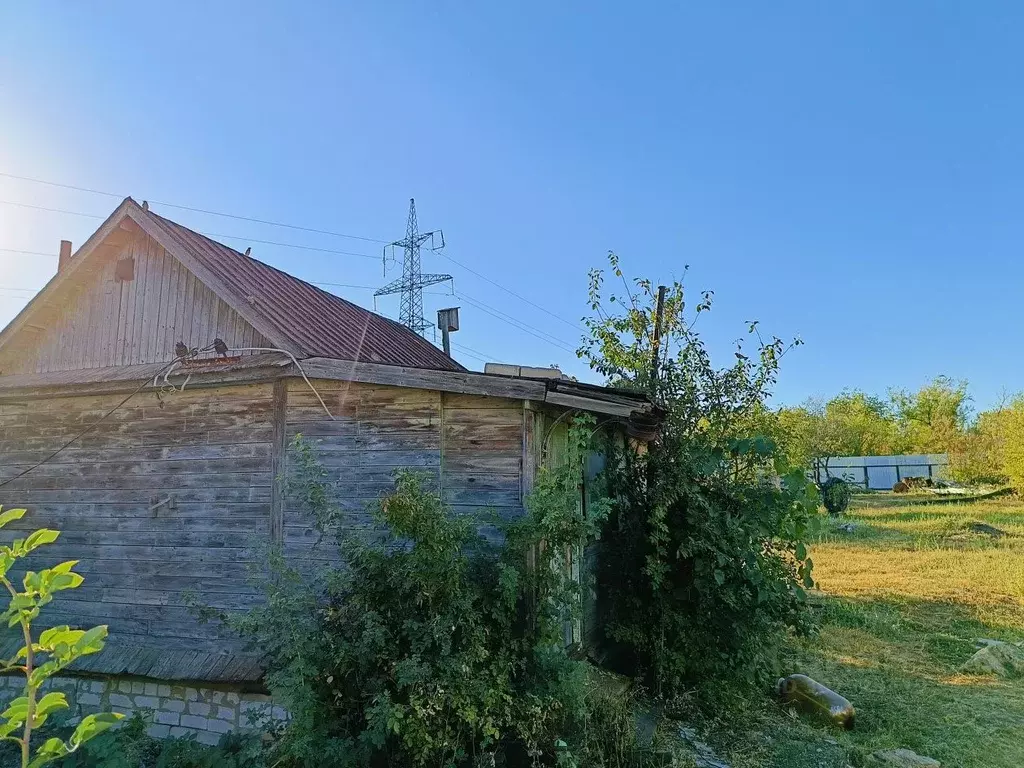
[902, 599]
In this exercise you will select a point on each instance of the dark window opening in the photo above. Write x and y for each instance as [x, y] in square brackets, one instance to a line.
[124, 272]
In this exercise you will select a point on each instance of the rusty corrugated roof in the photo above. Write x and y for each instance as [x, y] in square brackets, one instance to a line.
[312, 320]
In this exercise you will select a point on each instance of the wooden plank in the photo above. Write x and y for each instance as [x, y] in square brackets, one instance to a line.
[419, 378]
[68, 276]
[590, 404]
[217, 285]
[279, 461]
[188, 311]
[142, 264]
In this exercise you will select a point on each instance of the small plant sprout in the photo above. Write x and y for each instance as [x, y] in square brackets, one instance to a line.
[39, 660]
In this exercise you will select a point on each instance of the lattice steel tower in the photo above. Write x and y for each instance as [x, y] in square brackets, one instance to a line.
[412, 282]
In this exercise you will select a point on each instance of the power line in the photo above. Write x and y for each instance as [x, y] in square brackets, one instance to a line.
[197, 210]
[28, 253]
[207, 234]
[91, 427]
[292, 245]
[517, 323]
[498, 285]
[51, 210]
[511, 292]
[271, 223]
[55, 184]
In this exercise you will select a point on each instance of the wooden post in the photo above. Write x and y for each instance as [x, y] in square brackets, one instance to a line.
[278, 453]
[656, 341]
[446, 341]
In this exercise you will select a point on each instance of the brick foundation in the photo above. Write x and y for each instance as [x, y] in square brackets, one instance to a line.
[172, 710]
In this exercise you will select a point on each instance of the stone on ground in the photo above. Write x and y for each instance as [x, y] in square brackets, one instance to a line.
[903, 758]
[996, 658]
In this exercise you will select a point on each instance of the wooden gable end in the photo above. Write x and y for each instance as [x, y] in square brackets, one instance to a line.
[131, 307]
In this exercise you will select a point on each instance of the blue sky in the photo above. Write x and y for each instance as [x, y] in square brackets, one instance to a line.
[850, 172]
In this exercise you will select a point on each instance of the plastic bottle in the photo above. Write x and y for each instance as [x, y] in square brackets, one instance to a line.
[815, 699]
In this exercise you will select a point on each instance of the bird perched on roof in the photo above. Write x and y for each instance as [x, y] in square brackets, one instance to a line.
[220, 347]
[181, 350]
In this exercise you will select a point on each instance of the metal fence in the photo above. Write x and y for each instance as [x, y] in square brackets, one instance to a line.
[883, 472]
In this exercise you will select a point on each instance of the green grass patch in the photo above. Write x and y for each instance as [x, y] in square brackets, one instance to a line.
[901, 600]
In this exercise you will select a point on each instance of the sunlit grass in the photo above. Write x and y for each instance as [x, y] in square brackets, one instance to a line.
[902, 599]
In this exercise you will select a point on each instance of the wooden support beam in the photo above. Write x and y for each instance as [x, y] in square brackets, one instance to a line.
[279, 454]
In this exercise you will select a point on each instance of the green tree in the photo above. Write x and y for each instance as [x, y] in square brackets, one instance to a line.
[704, 560]
[932, 419]
[979, 453]
[39, 660]
[1008, 428]
[850, 424]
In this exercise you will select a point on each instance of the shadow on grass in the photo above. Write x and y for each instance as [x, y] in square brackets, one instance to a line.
[898, 661]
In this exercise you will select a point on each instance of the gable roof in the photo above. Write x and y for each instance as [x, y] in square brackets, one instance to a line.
[295, 315]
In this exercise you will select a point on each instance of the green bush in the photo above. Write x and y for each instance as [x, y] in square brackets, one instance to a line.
[130, 747]
[705, 562]
[836, 495]
[431, 646]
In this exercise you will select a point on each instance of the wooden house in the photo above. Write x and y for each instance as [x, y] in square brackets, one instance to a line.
[160, 457]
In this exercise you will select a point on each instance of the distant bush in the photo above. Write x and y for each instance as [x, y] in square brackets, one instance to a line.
[835, 495]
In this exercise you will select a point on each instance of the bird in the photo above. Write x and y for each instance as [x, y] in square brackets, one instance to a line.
[181, 350]
[220, 347]
[248, 250]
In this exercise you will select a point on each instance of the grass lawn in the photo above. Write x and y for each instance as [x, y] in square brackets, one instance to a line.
[902, 599]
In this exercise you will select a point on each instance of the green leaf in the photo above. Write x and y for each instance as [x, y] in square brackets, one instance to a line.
[11, 515]
[93, 725]
[17, 711]
[39, 538]
[52, 749]
[64, 567]
[801, 551]
[50, 637]
[91, 641]
[51, 702]
[719, 577]
[65, 581]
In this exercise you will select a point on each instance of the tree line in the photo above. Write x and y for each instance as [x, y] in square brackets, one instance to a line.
[983, 447]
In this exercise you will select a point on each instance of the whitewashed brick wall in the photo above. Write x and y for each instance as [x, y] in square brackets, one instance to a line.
[172, 710]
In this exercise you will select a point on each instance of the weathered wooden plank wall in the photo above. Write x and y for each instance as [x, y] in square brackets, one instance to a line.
[156, 501]
[483, 454]
[110, 323]
[160, 500]
[469, 448]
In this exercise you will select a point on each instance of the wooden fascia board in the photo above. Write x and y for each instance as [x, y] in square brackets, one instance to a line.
[465, 383]
[198, 381]
[74, 266]
[594, 405]
[238, 303]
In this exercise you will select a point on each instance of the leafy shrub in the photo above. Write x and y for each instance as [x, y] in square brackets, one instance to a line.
[431, 646]
[42, 658]
[835, 495]
[705, 561]
[130, 747]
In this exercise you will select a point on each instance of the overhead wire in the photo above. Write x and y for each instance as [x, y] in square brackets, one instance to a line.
[89, 428]
[525, 327]
[504, 317]
[198, 210]
[272, 223]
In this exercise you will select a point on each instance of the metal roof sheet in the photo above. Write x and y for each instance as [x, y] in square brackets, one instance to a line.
[319, 323]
